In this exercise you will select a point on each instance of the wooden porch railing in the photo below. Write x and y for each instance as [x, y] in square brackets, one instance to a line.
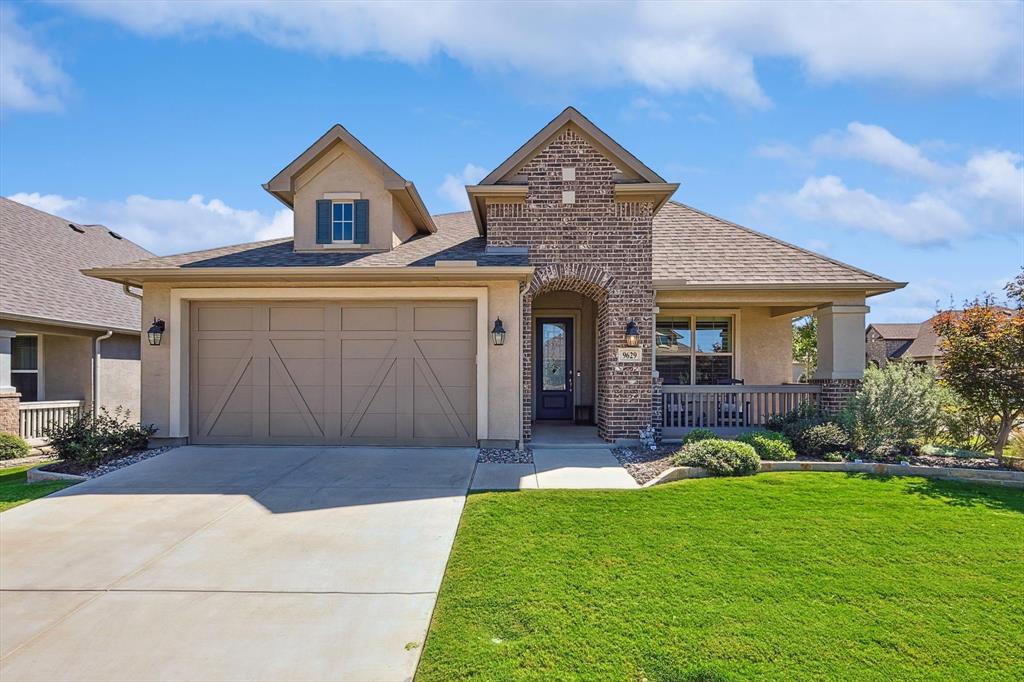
[35, 418]
[729, 409]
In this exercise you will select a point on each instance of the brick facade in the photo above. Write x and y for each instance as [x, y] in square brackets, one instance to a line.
[881, 351]
[595, 246]
[9, 417]
[835, 393]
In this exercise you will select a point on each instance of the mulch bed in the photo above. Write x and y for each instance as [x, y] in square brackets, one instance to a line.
[78, 469]
[504, 456]
[644, 464]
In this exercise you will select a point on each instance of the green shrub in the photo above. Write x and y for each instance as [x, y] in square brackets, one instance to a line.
[895, 406]
[91, 441]
[696, 435]
[822, 439]
[801, 415]
[769, 445]
[720, 457]
[832, 457]
[12, 447]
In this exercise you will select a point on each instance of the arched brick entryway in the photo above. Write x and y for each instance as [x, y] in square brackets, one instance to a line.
[623, 391]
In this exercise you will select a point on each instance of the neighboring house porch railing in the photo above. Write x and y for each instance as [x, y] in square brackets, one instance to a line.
[729, 410]
[36, 417]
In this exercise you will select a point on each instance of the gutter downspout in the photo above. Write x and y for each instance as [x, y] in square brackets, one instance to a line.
[96, 357]
[129, 292]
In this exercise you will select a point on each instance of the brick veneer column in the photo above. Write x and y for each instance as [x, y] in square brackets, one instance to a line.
[598, 247]
[835, 393]
[10, 399]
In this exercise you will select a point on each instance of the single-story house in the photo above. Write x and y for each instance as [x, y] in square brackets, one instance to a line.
[885, 342]
[575, 290]
[67, 342]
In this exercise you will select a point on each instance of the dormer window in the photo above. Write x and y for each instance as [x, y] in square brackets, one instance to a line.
[342, 222]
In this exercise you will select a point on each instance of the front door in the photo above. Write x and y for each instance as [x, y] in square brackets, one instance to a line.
[554, 368]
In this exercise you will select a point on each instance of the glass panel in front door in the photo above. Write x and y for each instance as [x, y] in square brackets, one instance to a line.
[553, 337]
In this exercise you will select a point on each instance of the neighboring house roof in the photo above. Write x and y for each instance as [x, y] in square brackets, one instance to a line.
[41, 258]
[896, 331]
[926, 344]
[282, 185]
[691, 249]
[694, 249]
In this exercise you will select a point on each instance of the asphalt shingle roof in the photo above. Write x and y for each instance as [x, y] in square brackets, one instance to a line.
[689, 245]
[41, 256]
[702, 249]
[897, 331]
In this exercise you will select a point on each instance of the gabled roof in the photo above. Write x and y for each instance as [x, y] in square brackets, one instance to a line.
[41, 258]
[896, 331]
[282, 185]
[637, 181]
[695, 250]
[571, 116]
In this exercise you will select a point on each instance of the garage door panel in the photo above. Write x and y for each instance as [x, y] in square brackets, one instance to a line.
[359, 373]
[297, 319]
[372, 318]
[436, 318]
[460, 399]
[224, 318]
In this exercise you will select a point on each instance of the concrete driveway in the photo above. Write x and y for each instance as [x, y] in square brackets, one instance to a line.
[221, 563]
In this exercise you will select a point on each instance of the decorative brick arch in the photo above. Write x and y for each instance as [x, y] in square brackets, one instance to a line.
[591, 281]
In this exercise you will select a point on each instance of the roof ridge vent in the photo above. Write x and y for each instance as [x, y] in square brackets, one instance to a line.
[76, 228]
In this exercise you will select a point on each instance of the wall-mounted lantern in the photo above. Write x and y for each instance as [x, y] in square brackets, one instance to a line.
[632, 334]
[498, 333]
[156, 332]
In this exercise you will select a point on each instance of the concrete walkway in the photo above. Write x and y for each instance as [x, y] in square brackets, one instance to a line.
[561, 467]
[225, 563]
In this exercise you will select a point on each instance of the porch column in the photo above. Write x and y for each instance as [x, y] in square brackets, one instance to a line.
[9, 398]
[841, 350]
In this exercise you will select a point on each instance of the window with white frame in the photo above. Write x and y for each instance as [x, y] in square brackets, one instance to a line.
[695, 350]
[342, 221]
[25, 367]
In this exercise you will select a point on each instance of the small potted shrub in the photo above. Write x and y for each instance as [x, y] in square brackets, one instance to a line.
[720, 457]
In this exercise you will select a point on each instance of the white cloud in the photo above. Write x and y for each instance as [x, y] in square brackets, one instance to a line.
[925, 219]
[30, 79]
[877, 145]
[454, 186]
[984, 193]
[645, 107]
[664, 47]
[167, 225]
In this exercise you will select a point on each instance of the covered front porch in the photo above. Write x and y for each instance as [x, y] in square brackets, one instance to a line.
[723, 360]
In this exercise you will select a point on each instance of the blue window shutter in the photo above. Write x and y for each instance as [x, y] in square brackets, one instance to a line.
[323, 221]
[361, 234]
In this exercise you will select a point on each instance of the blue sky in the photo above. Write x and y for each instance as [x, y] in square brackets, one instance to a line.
[885, 135]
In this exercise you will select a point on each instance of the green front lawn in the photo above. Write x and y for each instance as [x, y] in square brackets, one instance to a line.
[786, 576]
[15, 489]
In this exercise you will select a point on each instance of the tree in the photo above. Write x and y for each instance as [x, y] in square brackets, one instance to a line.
[805, 343]
[983, 359]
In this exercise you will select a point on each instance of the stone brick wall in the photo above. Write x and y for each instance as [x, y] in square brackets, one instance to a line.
[882, 350]
[595, 246]
[9, 419]
[835, 393]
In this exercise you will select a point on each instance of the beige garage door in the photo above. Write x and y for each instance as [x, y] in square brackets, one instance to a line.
[333, 373]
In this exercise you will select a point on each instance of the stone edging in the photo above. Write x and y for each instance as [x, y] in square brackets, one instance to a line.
[991, 476]
[37, 475]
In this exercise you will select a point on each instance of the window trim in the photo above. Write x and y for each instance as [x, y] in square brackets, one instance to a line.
[693, 314]
[343, 202]
[38, 371]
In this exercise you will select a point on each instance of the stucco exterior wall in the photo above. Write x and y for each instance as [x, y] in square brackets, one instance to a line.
[67, 368]
[120, 373]
[766, 347]
[503, 362]
[342, 170]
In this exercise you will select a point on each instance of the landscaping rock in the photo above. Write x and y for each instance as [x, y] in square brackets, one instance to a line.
[644, 464]
[504, 456]
[113, 465]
